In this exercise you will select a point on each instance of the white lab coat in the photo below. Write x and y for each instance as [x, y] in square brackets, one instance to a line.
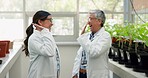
[42, 50]
[97, 54]
[77, 62]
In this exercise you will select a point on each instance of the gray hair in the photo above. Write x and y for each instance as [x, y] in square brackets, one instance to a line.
[99, 14]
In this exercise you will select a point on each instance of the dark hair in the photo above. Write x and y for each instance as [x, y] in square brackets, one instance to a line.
[39, 15]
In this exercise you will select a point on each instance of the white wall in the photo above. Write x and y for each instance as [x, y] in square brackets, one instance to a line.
[24, 65]
[14, 72]
[67, 53]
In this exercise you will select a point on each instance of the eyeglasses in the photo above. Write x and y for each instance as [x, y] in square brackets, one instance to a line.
[50, 19]
[91, 19]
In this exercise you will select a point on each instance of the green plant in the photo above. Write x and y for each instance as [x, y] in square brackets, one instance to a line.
[130, 31]
[142, 31]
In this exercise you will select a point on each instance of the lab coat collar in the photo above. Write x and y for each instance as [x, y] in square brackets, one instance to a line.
[99, 31]
[44, 30]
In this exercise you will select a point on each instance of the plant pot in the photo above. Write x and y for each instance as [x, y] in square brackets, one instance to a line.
[143, 66]
[124, 57]
[0, 61]
[125, 53]
[120, 56]
[3, 48]
[112, 49]
[143, 55]
[111, 53]
[133, 59]
[115, 49]
[116, 57]
[146, 74]
[8, 44]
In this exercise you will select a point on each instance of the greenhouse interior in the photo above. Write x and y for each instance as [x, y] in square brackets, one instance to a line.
[30, 49]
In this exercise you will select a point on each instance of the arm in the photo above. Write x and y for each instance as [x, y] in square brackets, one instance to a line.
[77, 63]
[98, 46]
[42, 45]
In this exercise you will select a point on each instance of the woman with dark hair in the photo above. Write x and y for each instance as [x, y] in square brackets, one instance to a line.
[40, 46]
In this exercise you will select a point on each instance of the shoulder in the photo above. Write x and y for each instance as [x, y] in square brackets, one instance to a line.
[85, 34]
[107, 33]
[35, 37]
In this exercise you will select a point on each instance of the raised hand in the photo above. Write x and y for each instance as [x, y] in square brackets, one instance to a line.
[84, 29]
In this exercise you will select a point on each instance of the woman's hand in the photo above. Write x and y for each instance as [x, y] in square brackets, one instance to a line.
[38, 27]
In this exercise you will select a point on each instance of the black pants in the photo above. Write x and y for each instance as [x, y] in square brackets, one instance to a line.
[82, 75]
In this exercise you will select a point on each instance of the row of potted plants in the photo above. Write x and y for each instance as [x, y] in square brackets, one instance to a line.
[130, 45]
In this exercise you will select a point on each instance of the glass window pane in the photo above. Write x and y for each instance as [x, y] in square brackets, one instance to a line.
[140, 11]
[114, 19]
[107, 5]
[51, 5]
[11, 5]
[140, 4]
[141, 18]
[83, 19]
[11, 26]
[61, 25]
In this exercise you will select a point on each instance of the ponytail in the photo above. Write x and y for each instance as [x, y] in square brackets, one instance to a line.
[29, 32]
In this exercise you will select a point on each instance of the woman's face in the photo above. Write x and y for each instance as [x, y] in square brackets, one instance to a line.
[47, 23]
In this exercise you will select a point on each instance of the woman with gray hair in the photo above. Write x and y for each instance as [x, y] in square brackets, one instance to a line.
[92, 57]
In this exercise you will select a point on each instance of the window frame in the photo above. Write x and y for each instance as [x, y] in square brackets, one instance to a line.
[60, 38]
[128, 16]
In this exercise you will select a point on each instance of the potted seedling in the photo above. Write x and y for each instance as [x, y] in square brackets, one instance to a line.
[130, 29]
[111, 29]
[142, 49]
[115, 31]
